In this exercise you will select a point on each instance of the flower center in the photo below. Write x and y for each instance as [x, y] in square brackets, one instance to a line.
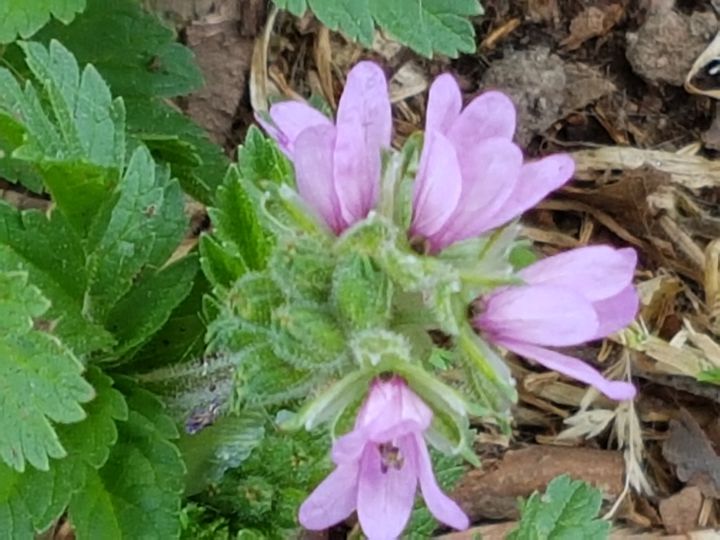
[391, 457]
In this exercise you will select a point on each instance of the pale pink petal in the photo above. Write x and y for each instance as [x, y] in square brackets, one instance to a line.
[540, 314]
[290, 119]
[616, 312]
[349, 447]
[597, 272]
[437, 187]
[385, 496]
[440, 505]
[573, 368]
[537, 179]
[313, 174]
[444, 104]
[364, 126]
[413, 408]
[489, 170]
[491, 114]
[332, 501]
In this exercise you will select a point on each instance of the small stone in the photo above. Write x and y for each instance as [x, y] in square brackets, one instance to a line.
[680, 512]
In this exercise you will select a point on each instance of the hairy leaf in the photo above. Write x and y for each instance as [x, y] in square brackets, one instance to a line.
[219, 447]
[23, 18]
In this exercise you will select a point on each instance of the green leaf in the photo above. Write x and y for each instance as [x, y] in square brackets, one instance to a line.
[181, 337]
[52, 254]
[12, 134]
[41, 379]
[219, 447]
[259, 158]
[567, 510]
[136, 494]
[75, 132]
[352, 17]
[150, 120]
[135, 53]
[140, 225]
[23, 18]
[34, 499]
[143, 311]
[296, 7]
[427, 26]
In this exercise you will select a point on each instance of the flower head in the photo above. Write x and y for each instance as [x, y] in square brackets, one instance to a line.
[574, 297]
[379, 466]
[471, 176]
[338, 166]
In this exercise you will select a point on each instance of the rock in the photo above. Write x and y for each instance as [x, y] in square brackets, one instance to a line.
[544, 88]
[666, 45]
[680, 512]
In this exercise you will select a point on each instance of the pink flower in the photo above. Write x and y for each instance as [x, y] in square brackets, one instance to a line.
[338, 167]
[471, 176]
[379, 465]
[574, 297]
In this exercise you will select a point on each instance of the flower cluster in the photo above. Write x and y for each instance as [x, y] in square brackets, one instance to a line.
[470, 179]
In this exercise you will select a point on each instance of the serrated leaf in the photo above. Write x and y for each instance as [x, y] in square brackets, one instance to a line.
[76, 136]
[136, 494]
[23, 18]
[259, 158]
[32, 500]
[141, 312]
[181, 337]
[219, 447]
[139, 226]
[237, 224]
[352, 17]
[567, 510]
[12, 134]
[41, 379]
[427, 26]
[149, 118]
[50, 251]
[136, 54]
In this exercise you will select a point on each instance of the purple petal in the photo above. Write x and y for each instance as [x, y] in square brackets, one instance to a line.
[616, 312]
[596, 272]
[349, 447]
[332, 501]
[440, 505]
[540, 314]
[291, 118]
[490, 170]
[537, 179]
[386, 496]
[364, 125]
[491, 114]
[438, 186]
[573, 368]
[314, 174]
[391, 411]
[444, 104]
